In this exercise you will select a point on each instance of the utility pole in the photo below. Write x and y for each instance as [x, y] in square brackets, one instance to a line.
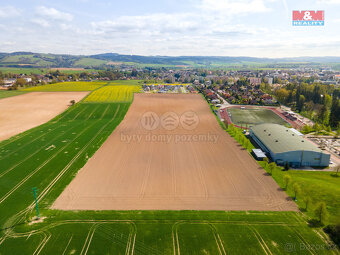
[36, 201]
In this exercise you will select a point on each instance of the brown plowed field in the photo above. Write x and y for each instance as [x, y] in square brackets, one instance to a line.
[162, 170]
[23, 112]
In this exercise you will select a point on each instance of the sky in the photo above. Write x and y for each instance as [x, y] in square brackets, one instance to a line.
[256, 28]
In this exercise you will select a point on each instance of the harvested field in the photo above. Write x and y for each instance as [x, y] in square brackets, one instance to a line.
[192, 165]
[23, 112]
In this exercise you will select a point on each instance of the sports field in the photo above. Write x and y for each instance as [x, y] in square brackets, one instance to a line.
[253, 116]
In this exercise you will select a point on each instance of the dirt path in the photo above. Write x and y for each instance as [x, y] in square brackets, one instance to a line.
[23, 112]
[181, 168]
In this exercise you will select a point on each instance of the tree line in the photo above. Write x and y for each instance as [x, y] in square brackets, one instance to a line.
[318, 102]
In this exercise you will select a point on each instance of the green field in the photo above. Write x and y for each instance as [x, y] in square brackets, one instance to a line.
[114, 93]
[49, 156]
[10, 93]
[167, 232]
[32, 70]
[89, 62]
[27, 71]
[318, 185]
[68, 86]
[253, 116]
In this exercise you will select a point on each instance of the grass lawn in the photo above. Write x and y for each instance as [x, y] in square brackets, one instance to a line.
[320, 186]
[253, 116]
[10, 93]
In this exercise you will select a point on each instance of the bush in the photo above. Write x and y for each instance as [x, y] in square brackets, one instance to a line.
[334, 233]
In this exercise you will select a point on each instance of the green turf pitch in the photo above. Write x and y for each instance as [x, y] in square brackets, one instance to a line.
[253, 116]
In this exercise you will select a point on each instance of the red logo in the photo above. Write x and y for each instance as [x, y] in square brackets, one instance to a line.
[308, 15]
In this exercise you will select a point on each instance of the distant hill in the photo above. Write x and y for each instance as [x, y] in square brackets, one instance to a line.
[40, 60]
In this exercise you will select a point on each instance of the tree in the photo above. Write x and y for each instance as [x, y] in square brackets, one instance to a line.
[300, 103]
[321, 212]
[296, 189]
[287, 180]
[286, 166]
[248, 144]
[282, 95]
[307, 201]
[317, 128]
[265, 162]
[334, 118]
[336, 170]
[323, 115]
[72, 102]
[20, 82]
[271, 167]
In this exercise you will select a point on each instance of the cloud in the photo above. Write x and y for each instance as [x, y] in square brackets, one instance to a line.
[160, 23]
[52, 13]
[328, 1]
[9, 11]
[233, 7]
[41, 22]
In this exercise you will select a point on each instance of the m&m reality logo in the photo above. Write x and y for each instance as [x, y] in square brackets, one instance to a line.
[308, 18]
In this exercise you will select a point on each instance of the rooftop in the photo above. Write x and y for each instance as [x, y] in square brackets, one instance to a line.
[278, 139]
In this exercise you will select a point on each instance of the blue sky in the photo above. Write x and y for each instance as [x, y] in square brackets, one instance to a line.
[259, 28]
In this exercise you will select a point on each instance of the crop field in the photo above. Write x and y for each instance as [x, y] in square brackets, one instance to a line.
[167, 232]
[17, 70]
[20, 113]
[49, 156]
[141, 174]
[68, 86]
[113, 93]
[253, 116]
[10, 93]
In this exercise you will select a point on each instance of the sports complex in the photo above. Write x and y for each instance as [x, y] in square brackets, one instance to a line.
[125, 172]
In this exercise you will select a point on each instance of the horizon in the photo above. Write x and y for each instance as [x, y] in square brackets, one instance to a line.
[223, 56]
[250, 28]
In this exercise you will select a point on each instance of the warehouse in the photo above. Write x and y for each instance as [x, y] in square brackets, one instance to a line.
[283, 145]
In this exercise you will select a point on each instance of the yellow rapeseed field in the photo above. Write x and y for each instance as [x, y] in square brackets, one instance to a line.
[116, 93]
